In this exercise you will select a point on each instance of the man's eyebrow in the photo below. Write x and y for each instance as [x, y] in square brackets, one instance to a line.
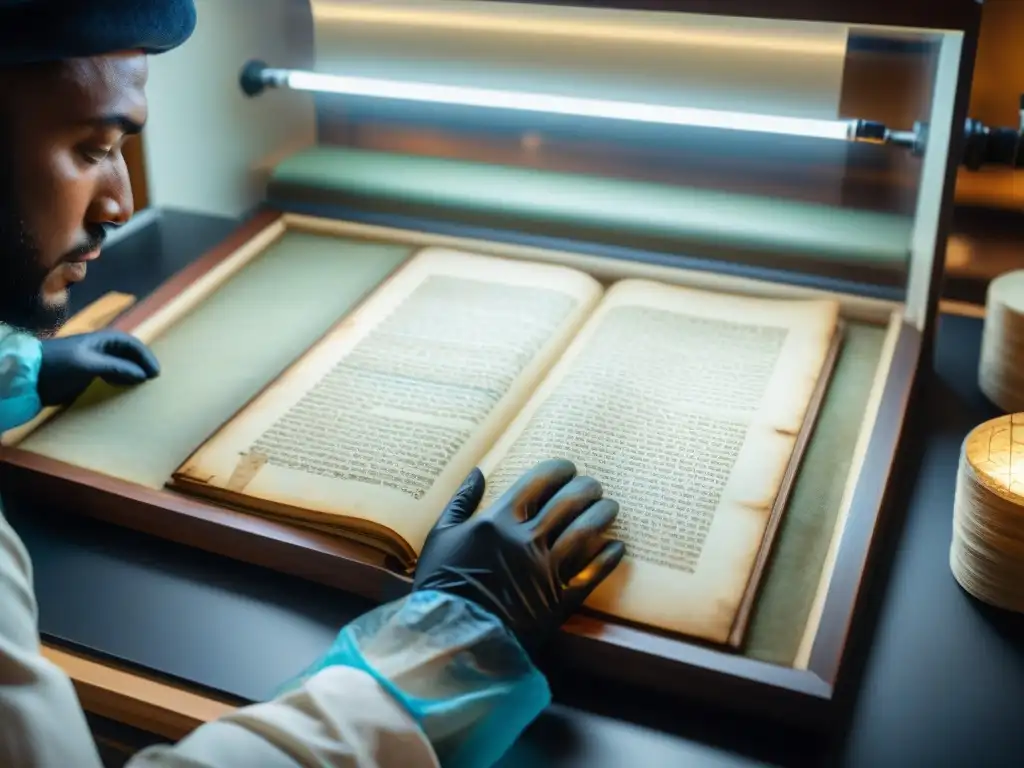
[123, 123]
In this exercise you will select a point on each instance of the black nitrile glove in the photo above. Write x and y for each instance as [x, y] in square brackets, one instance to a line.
[533, 557]
[70, 364]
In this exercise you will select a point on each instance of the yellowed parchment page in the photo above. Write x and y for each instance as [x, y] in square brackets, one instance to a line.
[383, 419]
[685, 405]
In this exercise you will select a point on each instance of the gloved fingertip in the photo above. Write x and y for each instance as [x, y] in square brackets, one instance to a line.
[599, 569]
[607, 561]
[614, 552]
[465, 501]
[122, 373]
[563, 469]
[127, 347]
[148, 362]
[472, 487]
[605, 513]
[474, 479]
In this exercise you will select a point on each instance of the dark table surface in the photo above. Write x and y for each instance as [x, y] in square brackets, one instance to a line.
[940, 680]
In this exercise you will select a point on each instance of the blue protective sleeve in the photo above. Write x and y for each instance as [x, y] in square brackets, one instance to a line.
[20, 356]
[456, 669]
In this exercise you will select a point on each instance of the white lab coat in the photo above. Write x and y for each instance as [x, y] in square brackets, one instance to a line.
[338, 717]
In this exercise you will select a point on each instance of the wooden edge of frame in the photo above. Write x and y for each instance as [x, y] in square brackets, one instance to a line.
[866, 508]
[695, 672]
[289, 549]
[99, 314]
[139, 701]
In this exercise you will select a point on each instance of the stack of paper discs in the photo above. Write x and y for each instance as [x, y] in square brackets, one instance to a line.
[987, 552]
[1001, 371]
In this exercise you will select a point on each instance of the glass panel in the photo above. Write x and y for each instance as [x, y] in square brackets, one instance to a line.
[786, 149]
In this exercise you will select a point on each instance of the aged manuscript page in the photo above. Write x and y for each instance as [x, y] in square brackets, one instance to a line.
[381, 421]
[686, 407]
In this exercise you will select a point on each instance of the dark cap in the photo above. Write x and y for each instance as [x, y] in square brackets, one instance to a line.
[48, 30]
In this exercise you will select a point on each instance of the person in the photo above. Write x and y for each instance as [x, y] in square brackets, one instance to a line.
[444, 676]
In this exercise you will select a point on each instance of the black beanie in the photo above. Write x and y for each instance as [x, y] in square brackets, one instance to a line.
[48, 30]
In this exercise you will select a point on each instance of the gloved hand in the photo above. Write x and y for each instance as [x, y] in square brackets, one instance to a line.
[533, 557]
[70, 364]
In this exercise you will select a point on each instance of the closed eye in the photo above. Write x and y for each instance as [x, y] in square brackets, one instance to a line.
[95, 155]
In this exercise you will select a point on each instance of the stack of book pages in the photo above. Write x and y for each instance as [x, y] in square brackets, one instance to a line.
[987, 552]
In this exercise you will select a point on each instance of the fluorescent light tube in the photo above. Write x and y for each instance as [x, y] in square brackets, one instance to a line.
[257, 76]
[567, 105]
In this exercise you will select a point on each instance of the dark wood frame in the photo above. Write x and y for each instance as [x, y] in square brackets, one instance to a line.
[801, 697]
[806, 698]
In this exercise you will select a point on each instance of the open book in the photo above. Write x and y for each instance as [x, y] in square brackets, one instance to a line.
[687, 406]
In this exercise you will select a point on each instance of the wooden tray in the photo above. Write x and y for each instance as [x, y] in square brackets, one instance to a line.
[801, 691]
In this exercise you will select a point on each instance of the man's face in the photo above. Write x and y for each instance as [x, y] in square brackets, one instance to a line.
[63, 178]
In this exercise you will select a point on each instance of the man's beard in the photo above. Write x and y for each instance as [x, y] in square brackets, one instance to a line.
[22, 304]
